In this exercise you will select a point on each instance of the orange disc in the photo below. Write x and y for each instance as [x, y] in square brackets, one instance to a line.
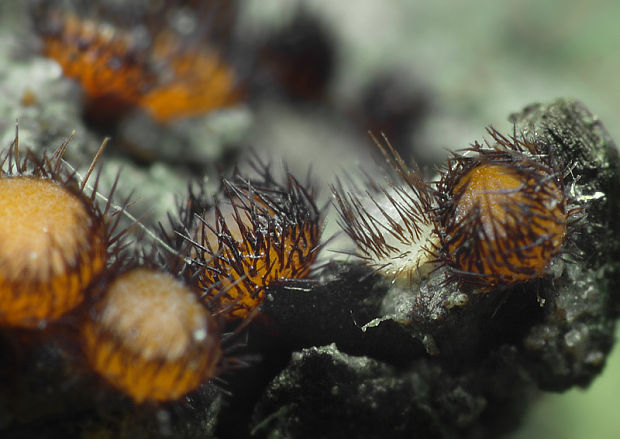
[506, 225]
[151, 337]
[52, 246]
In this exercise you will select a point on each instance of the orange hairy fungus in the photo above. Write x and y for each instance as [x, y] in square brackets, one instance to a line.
[262, 233]
[200, 82]
[505, 213]
[112, 73]
[53, 240]
[150, 337]
[162, 75]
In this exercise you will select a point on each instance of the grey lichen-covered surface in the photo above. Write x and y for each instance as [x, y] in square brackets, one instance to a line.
[345, 355]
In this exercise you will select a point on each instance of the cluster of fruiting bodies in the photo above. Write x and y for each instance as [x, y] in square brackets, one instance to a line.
[152, 329]
[498, 215]
[161, 73]
[151, 325]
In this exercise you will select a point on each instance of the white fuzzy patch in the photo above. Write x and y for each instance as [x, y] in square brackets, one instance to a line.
[410, 256]
[411, 261]
[398, 235]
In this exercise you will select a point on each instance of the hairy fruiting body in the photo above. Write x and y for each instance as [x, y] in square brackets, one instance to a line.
[392, 225]
[202, 82]
[100, 61]
[51, 249]
[262, 232]
[161, 74]
[504, 213]
[54, 240]
[150, 336]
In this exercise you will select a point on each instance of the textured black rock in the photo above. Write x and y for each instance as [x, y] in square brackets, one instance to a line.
[439, 370]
